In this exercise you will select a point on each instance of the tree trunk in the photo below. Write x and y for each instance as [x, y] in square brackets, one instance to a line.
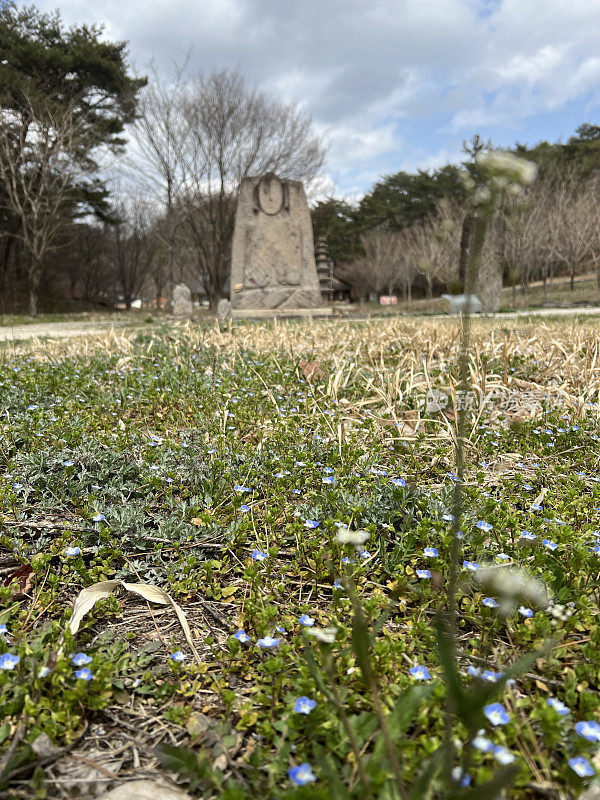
[33, 285]
[33, 301]
[545, 292]
[429, 289]
[572, 278]
[409, 291]
[465, 245]
[213, 298]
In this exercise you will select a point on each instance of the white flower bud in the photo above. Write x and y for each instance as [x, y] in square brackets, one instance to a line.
[512, 587]
[357, 538]
[481, 196]
[326, 635]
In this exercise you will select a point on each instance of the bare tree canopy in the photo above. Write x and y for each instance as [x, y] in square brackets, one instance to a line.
[39, 164]
[199, 138]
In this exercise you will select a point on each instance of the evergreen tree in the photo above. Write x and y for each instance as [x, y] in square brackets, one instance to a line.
[47, 71]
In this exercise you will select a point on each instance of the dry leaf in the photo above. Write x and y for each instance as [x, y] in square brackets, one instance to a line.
[88, 597]
[311, 369]
[23, 577]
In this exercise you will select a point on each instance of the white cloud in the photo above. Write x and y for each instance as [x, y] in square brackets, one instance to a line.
[394, 82]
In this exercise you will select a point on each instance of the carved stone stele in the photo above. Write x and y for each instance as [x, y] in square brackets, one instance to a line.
[272, 260]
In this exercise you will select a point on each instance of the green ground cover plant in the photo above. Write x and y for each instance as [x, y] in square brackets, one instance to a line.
[233, 468]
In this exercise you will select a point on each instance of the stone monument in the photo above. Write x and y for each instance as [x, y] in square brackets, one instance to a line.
[182, 301]
[273, 266]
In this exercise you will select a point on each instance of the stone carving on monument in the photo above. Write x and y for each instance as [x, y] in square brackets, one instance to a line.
[272, 260]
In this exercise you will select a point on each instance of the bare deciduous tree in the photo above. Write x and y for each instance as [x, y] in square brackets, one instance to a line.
[569, 224]
[39, 162]
[434, 244]
[132, 246]
[159, 135]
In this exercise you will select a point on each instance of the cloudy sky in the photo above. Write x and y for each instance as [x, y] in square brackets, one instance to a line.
[394, 84]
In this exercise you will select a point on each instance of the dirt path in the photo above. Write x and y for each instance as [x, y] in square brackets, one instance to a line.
[62, 330]
[55, 330]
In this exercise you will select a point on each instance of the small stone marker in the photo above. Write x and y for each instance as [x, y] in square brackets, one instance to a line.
[223, 309]
[273, 261]
[458, 303]
[182, 301]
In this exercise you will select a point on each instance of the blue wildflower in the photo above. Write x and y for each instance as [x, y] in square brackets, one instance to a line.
[496, 713]
[482, 744]
[581, 766]
[430, 552]
[589, 729]
[177, 656]
[559, 707]
[484, 526]
[528, 535]
[503, 756]
[241, 636]
[268, 641]
[304, 705]
[83, 674]
[8, 661]
[489, 602]
[80, 659]
[306, 620]
[420, 672]
[302, 775]
[423, 573]
[258, 555]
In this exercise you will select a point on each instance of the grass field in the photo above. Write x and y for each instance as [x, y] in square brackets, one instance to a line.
[227, 467]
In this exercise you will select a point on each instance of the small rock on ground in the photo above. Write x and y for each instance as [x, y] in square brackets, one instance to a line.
[145, 790]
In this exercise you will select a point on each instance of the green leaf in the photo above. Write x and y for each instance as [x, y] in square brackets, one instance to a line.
[401, 717]
[481, 695]
[423, 784]
[335, 786]
[490, 790]
[19, 758]
[361, 642]
[449, 666]
[183, 762]
[4, 732]
[363, 725]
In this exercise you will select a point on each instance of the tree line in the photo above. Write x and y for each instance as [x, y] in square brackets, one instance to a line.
[114, 185]
[414, 228]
